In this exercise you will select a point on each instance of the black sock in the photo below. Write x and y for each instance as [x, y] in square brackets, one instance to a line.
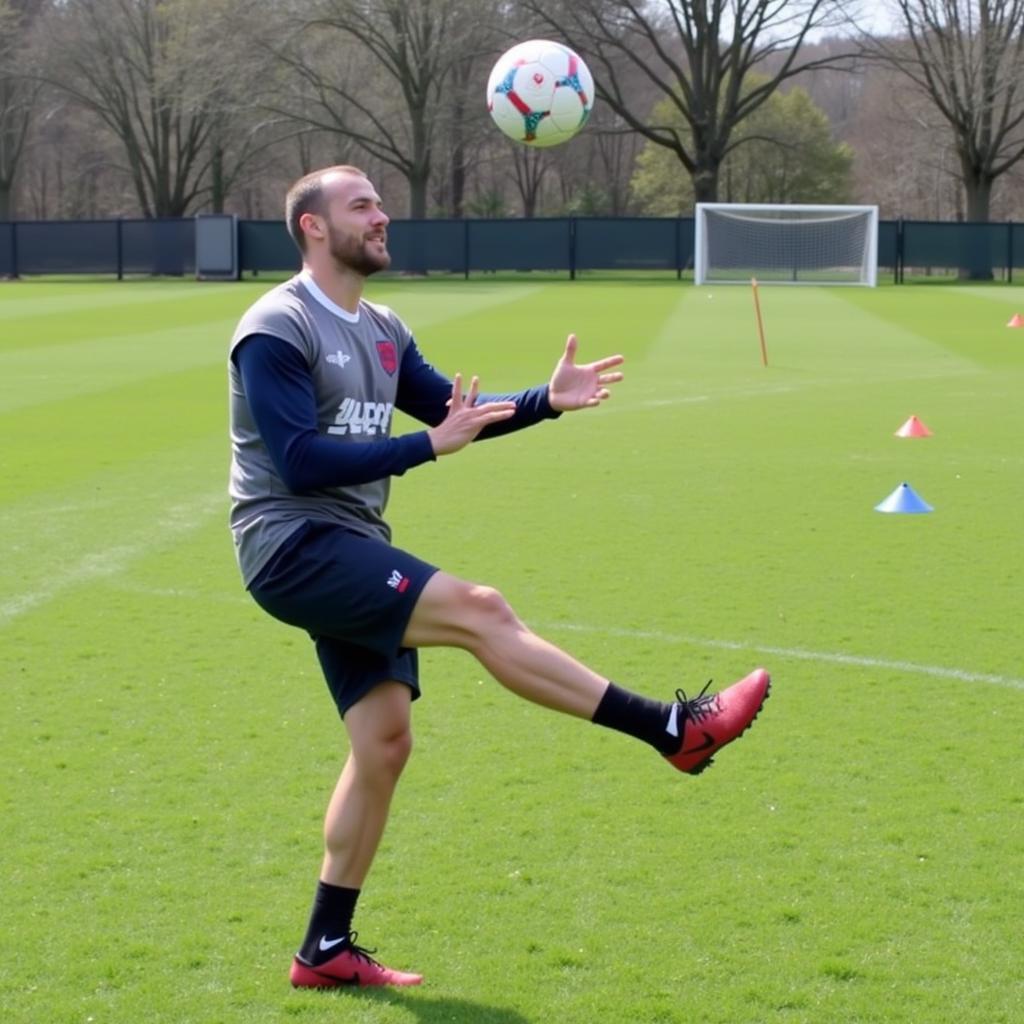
[646, 719]
[329, 922]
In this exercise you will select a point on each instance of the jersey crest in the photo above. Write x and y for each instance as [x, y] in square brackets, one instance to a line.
[387, 353]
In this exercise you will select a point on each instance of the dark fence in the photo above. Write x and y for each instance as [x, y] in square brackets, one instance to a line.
[562, 244]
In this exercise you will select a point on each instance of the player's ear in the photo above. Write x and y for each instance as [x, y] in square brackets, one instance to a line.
[312, 225]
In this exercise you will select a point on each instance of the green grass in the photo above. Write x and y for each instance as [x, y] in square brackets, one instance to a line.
[166, 749]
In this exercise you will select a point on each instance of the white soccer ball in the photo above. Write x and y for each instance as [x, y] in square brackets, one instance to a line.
[540, 93]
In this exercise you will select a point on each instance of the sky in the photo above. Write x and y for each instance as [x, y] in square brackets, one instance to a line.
[876, 15]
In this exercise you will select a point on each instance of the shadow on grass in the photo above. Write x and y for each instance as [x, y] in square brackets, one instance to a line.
[433, 1009]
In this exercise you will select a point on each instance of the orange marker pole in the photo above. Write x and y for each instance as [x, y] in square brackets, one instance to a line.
[760, 322]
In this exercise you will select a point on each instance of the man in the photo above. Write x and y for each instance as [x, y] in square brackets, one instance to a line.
[316, 372]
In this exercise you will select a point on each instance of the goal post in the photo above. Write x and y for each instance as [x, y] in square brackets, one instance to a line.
[785, 244]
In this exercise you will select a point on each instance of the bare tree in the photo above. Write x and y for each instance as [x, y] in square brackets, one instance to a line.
[167, 81]
[967, 57]
[18, 91]
[375, 70]
[121, 59]
[698, 55]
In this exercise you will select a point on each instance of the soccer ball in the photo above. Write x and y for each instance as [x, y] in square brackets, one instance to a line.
[540, 93]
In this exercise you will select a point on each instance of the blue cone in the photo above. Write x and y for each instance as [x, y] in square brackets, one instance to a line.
[903, 499]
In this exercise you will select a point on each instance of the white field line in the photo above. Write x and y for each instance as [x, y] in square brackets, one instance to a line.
[177, 521]
[800, 654]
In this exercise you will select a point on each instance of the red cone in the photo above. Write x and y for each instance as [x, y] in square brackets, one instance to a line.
[1016, 320]
[913, 428]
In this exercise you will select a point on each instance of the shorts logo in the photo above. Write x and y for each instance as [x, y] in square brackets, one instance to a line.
[387, 353]
[398, 582]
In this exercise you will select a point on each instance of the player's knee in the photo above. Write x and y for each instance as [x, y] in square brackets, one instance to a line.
[382, 758]
[490, 612]
[394, 753]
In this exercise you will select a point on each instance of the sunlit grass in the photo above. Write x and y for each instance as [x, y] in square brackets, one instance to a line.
[167, 749]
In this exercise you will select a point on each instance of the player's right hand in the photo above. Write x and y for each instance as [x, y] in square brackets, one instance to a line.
[466, 418]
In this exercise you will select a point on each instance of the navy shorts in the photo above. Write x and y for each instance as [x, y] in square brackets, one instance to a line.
[354, 595]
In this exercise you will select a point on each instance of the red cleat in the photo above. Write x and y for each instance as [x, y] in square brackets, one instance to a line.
[352, 966]
[708, 722]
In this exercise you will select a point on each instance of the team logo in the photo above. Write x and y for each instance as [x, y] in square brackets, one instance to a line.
[339, 358]
[398, 582]
[387, 353]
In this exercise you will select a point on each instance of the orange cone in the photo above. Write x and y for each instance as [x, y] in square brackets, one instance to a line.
[913, 428]
[1016, 320]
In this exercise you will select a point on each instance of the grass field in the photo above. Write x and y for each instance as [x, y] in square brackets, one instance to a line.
[167, 750]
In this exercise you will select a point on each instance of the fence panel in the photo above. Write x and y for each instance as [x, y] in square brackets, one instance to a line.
[266, 245]
[888, 244]
[159, 247]
[8, 255]
[419, 246]
[627, 243]
[976, 249]
[67, 247]
[539, 244]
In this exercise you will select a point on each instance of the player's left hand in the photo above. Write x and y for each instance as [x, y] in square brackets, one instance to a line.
[581, 387]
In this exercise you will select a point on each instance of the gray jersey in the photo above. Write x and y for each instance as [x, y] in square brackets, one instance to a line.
[354, 364]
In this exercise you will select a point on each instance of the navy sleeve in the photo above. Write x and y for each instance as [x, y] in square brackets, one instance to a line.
[423, 393]
[279, 390]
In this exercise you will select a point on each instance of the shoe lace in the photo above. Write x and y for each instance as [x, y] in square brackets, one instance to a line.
[696, 708]
[361, 951]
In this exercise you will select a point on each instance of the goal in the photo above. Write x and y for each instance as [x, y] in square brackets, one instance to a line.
[785, 244]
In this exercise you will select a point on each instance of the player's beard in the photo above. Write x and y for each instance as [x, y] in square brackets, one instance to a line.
[354, 253]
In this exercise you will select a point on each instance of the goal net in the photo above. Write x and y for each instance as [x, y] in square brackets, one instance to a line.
[785, 244]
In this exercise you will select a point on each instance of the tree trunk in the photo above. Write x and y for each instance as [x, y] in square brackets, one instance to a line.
[418, 178]
[977, 254]
[705, 179]
[978, 192]
[458, 182]
[217, 188]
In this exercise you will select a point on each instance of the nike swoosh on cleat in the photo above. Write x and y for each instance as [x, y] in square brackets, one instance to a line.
[673, 721]
[326, 944]
[709, 741]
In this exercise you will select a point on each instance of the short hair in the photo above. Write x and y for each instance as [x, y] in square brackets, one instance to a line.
[307, 196]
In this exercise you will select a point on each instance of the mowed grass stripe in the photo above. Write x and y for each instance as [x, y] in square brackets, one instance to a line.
[54, 374]
[110, 310]
[72, 535]
[813, 337]
[67, 442]
[964, 322]
[43, 299]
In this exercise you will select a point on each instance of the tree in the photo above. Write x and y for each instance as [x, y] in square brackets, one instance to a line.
[698, 57]
[128, 61]
[967, 57]
[783, 153]
[376, 71]
[18, 92]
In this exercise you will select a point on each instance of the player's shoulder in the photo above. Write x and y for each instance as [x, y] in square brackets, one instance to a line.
[282, 312]
[287, 297]
[384, 318]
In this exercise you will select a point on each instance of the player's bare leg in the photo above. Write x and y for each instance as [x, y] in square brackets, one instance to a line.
[452, 612]
[380, 743]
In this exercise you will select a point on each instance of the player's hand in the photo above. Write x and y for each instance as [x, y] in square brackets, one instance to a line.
[581, 387]
[465, 418]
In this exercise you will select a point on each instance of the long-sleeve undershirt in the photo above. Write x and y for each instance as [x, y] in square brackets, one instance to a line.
[280, 393]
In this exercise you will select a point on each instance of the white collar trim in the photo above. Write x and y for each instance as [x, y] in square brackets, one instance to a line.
[315, 290]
